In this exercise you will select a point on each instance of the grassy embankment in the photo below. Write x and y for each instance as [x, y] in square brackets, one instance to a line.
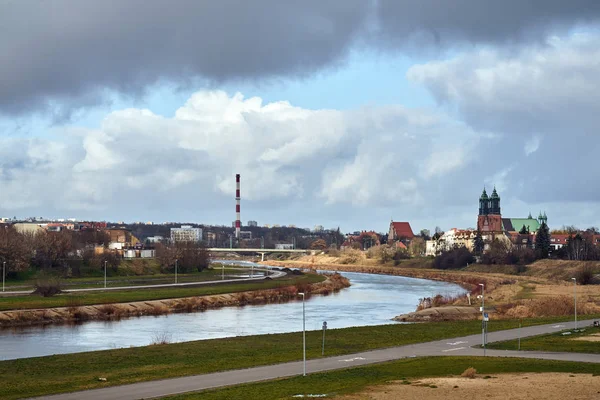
[556, 342]
[543, 288]
[129, 273]
[354, 380]
[73, 372]
[125, 296]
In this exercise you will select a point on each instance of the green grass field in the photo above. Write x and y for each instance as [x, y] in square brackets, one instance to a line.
[71, 372]
[356, 379]
[123, 296]
[554, 342]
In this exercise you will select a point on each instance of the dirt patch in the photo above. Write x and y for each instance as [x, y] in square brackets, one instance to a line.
[440, 314]
[594, 337]
[553, 386]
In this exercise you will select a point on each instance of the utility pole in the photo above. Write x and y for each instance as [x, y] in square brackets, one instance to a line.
[483, 316]
[575, 293]
[3, 274]
[176, 270]
[324, 329]
[105, 274]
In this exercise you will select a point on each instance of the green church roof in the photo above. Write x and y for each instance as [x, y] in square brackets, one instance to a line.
[519, 223]
[484, 195]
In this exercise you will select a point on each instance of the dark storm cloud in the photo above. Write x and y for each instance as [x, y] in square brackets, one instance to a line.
[59, 55]
[445, 22]
[67, 48]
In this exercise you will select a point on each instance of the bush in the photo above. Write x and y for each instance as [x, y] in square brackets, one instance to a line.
[350, 256]
[585, 275]
[453, 259]
[47, 285]
[469, 373]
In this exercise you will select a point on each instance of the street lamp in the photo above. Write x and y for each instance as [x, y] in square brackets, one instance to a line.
[483, 316]
[176, 270]
[105, 274]
[303, 335]
[575, 293]
[3, 273]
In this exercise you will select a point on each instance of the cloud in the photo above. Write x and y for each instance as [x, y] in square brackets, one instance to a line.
[541, 99]
[61, 55]
[532, 145]
[140, 163]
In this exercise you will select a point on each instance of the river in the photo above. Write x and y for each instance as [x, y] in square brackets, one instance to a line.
[371, 300]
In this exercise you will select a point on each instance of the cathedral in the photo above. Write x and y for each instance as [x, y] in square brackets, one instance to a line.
[491, 223]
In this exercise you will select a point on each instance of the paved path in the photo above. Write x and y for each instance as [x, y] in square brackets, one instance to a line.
[448, 347]
[273, 274]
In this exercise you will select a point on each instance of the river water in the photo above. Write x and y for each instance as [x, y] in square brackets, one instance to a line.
[371, 300]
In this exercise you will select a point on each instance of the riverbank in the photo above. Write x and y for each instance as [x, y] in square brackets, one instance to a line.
[539, 292]
[286, 290]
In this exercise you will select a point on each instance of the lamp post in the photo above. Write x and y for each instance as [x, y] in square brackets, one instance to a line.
[303, 335]
[176, 270]
[3, 273]
[575, 294]
[105, 262]
[483, 316]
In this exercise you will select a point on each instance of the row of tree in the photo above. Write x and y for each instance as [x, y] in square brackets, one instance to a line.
[67, 249]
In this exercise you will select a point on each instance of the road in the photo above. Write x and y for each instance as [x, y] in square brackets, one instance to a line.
[273, 274]
[450, 347]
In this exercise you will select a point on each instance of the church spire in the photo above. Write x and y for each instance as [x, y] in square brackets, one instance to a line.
[495, 203]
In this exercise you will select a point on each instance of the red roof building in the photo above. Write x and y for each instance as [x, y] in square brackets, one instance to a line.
[400, 231]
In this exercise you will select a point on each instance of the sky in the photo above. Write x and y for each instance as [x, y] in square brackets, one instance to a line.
[336, 113]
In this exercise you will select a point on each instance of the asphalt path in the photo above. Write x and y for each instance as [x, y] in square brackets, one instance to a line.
[461, 346]
[273, 274]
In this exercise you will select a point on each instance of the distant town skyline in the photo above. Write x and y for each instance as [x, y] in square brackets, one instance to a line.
[344, 114]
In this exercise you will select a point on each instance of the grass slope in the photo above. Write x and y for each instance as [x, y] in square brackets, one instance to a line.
[554, 342]
[72, 372]
[356, 379]
[118, 296]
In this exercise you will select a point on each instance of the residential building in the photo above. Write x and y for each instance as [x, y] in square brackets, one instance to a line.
[450, 240]
[318, 228]
[154, 239]
[284, 246]
[28, 228]
[186, 233]
[252, 223]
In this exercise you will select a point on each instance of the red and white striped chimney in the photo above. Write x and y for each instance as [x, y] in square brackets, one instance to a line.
[238, 222]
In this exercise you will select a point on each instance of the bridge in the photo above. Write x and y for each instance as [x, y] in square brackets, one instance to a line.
[262, 252]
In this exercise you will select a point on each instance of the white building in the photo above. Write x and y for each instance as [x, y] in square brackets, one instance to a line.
[252, 223]
[154, 239]
[186, 234]
[451, 239]
[318, 228]
[284, 246]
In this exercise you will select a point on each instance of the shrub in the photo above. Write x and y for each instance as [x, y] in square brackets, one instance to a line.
[161, 338]
[585, 275]
[469, 373]
[350, 256]
[453, 259]
[47, 285]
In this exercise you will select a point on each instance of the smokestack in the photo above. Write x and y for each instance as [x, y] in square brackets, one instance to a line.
[238, 223]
